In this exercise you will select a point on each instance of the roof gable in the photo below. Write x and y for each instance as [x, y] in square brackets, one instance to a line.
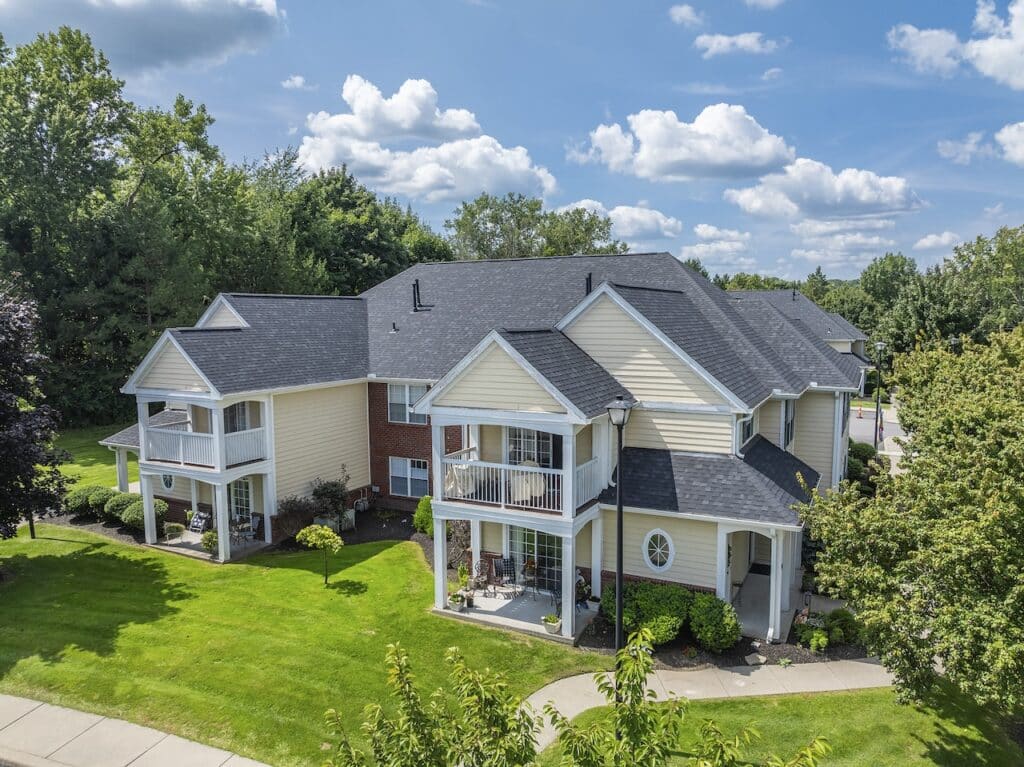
[167, 367]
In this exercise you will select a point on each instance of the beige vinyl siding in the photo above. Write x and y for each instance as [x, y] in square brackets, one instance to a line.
[667, 430]
[170, 370]
[223, 318]
[769, 417]
[201, 419]
[180, 492]
[491, 448]
[814, 436]
[494, 381]
[583, 538]
[315, 433]
[637, 359]
[695, 542]
[762, 549]
[844, 347]
[491, 537]
[584, 445]
[739, 563]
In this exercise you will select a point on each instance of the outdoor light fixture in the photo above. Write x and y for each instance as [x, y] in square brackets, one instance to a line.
[618, 413]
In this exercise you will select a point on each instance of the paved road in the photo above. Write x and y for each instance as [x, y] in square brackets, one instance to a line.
[862, 429]
[34, 734]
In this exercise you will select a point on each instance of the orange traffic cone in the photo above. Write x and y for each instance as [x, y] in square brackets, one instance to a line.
[860, 411]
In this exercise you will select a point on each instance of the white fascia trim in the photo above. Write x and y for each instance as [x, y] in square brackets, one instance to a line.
[494, 337]
[219, 301]
[740, 524]
[584, 518]
[385, 379]
[682, 407]
[606, 289]
[458, 416]
[169, 395]
[555, 524]
[298, 388]
[815, 387]
[206, 475]
[165, 338]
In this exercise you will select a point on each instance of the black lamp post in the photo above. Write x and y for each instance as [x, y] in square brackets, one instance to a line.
[618, 412]
[879, 348]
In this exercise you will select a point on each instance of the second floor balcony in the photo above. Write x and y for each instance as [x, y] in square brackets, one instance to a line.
[192, 440]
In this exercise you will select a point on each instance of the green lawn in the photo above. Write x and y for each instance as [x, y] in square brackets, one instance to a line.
[91, 463]
[244, 656]
[866, 728]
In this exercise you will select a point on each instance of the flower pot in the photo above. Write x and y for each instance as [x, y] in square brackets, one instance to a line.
[458, 606]
[553, 628]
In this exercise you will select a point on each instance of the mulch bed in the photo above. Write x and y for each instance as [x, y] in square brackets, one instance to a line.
[111, 530]
[683, 653]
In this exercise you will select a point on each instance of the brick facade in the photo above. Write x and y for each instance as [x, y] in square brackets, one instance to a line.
[400, 440]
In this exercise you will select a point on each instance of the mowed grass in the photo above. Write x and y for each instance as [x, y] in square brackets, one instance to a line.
[244, 656]
[91, 463]
[866, 728]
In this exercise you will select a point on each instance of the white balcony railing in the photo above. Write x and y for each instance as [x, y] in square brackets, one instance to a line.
[588, 483]
[193, 448]
[521, 487]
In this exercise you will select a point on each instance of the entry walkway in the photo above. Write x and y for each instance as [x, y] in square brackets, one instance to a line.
[34, 734]
[576, 694]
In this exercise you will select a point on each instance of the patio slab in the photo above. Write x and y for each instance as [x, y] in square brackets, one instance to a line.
[109, 743]
[173, 751]
[12, 709]
[45, 729]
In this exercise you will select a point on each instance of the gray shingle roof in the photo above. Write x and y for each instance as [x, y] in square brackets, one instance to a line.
[129, 436]
[570, 370]
[290, 341]
[761, 487]
[796, 305]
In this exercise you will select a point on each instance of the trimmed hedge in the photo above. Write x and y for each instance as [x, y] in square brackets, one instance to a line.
[116, 505]
[76, 503]
[133, 515]
[660, 607]
[714, 623]
[98, 499]
[863, 451]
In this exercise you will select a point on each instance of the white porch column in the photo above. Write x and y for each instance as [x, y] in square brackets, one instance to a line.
[596, 553]
[268, 508]
[440, 564]
[797, 563]
[568, 586]
[195, 495]
[437, 464]
[774, 590]
[602, 450]
[784, 565]
[143, 411]
[220, 492]
[121, 456]
[219, 450]
[569, 473]
[722, 586]
[474, 541]
[148, 513]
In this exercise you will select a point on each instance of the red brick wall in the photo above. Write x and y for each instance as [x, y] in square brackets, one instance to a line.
[401, 440]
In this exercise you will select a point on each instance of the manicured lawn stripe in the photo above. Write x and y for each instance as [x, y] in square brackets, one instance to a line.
[91, 463]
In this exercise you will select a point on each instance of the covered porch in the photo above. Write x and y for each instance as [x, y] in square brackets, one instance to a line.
[524, 611]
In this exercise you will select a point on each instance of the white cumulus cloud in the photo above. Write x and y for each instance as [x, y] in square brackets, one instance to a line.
[963, 151]
[934, 241]
[723, 141]
[927, 50]
[634, 222]
[813, 189]
[458, 162]
[685, 15]
[745, 42]
[1011, 140]
[297, 83]
[720, 249]
[774, 73]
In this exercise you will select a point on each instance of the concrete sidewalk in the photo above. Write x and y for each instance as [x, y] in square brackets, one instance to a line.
[34, 734]
[576, 694]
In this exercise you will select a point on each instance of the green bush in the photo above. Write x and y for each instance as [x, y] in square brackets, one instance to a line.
[863, 451]
[76, 503]
[98, 499]
[209, 541]
[133, 515]
[660, 607]
[714, 623]
[842, 627]
[293, 514]
[114, 508]
[423, 519]
[812, 636]
[855, 469]
[173, 529]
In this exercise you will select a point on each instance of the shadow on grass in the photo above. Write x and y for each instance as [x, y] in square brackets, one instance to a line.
[951, 748]
[78, 599]
[348, 588]
[299, 558]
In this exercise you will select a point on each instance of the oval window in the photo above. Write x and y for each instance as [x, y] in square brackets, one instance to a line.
[658, 550]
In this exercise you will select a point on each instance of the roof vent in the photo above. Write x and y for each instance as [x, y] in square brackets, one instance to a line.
[590, 283]
[394, 327]
[417, 302]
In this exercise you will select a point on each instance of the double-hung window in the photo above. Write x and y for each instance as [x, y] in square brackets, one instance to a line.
[790, 417]
[409, 477]
[529, 446]
[401, 398]
[236, 417]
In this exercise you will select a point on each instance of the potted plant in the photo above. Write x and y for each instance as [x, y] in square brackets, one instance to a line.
[552, 623]
[457, 602]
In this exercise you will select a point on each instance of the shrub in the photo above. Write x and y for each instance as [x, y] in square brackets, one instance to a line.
[714, 623]
[423, 518]
[841, 626]
[813, 636]
[188, 516]
[209, 541]
[134, 516]
[659, 607]
[76, 503]
[98, 499]
[855, 469]
[114, 508]
[293, 514]
[173, 529]
[863, 451]
[332, 495]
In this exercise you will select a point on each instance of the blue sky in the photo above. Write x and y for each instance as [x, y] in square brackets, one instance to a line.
[760, 135]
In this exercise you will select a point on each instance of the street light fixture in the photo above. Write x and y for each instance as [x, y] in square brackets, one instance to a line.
[618, 413]
[879, 348]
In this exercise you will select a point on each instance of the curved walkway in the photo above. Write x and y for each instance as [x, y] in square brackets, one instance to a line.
[576, 694]
[34, 734]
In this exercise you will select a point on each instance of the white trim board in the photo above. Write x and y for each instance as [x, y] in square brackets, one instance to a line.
[217, 303]
[147, 361]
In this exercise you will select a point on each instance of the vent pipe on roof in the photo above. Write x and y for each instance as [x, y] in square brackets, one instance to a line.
[394, 327]
[794, 294]
[417, 302]
[590, 283]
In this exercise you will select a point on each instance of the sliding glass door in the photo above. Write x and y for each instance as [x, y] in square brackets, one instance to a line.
[542, 551]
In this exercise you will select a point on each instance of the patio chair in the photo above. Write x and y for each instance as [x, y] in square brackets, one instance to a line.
[505, 577]
[554, 580]
[481, 577]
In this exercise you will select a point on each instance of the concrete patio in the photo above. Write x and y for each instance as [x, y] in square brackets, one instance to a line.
[520, 613]
[190, 545]
[751, 603]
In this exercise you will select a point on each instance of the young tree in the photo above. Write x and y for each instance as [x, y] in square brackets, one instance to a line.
[886, 277]
[932, 564]
[323, 539]
[30, 479]
[816, 286]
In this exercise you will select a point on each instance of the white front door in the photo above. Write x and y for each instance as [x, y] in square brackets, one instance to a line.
[240, 501]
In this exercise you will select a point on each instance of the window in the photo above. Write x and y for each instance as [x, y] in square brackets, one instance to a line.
[240, 500]
[167, 480]
[236, 417]
[790, 416]
[542, 551]
[659, 550]
[409, 477]
[529, 445]
[401, 398]
[747, 432]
